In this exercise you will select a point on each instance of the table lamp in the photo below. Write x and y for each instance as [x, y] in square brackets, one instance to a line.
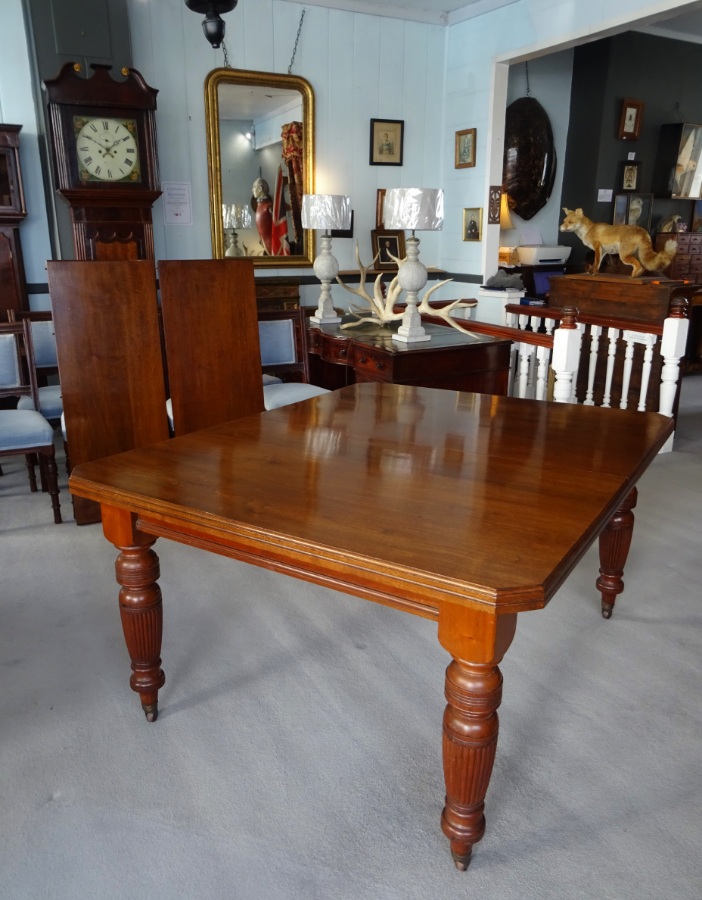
[323, 212]
[419, 209]
[234, 215]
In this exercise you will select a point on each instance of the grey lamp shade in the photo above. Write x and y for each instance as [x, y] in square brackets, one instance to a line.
[326, 211]
[421, 209]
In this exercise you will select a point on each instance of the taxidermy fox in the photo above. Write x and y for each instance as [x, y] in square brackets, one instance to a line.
[632, 243]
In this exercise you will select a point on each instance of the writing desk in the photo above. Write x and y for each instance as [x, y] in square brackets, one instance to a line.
[454, 360]
[467, 509]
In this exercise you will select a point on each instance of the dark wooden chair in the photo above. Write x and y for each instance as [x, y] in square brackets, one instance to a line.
[210, 329]
[110, 361]
[25, 432]
[284, 357]
[44, 360]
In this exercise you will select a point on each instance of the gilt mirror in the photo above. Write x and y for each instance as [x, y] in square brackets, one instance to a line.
[260, 158]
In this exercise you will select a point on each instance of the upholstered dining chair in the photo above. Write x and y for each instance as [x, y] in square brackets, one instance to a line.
[284, 360]
[45, 362]
[25, 432]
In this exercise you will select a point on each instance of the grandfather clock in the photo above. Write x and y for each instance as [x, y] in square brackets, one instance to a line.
[103, 137]
[13, 288]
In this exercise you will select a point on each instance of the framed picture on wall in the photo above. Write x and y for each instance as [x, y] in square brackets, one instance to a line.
[473, 223]
[465, 149]
[697, 216]
[633, 209]
[387, 244]
[630, 120]
[386, 140]
[631, 176]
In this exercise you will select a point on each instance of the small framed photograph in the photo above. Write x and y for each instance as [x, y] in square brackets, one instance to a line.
[386, 140]
[473, 223]
[465, 149]
[387, 244]
[633, 209]
[379, 203]
[697, 216]
[631, 176]
[630, 120]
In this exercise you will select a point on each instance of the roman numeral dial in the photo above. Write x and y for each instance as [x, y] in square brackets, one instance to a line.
[107, 149]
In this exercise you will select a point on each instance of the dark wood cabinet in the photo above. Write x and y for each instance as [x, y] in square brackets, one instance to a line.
[13, 287]
[274, 294]
[687, 263]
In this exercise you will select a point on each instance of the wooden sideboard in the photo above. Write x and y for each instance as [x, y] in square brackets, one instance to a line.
[452, 359]
[645, 299]
[687, 262]
[277, 293]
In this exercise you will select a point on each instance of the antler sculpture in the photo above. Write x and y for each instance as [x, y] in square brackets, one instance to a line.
[382, 308]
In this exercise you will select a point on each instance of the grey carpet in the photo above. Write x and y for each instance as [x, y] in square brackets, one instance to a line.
[297, 754]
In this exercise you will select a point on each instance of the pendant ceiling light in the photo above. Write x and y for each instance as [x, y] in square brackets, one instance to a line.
[213, 24]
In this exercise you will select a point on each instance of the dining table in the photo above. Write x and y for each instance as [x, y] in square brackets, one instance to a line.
[466, 509]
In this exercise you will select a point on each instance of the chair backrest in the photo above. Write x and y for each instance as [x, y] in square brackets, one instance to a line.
[16, 379]
[43, 335]
[9, 361]
[110, 361]
[283, 339]
[212, 344]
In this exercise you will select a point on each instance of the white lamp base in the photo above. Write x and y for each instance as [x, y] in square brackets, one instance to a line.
[326, 269]
[411, 276]
[323, 320]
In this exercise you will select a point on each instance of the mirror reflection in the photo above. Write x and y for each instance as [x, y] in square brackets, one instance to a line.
[260, 144]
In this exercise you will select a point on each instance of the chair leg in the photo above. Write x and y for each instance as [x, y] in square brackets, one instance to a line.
[42, 473]
[29, 461]
[49, 460]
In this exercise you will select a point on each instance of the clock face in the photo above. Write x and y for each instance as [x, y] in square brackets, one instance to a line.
[107, 149]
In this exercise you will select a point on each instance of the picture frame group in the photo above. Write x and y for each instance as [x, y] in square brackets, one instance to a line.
[464, 157]
[387, 243]
[386, 142]
[473, 223]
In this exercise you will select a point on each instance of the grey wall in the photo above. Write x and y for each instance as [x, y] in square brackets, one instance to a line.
[660, 72]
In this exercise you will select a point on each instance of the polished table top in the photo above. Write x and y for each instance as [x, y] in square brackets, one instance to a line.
[465, 497]
[464, 508]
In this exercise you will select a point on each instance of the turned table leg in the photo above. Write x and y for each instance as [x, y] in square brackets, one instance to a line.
[615, 541]
[471, 726]
[477, 641]
[140, 605]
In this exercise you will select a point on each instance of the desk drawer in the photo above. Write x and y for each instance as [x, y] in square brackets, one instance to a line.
[334, 351]
[372, 365]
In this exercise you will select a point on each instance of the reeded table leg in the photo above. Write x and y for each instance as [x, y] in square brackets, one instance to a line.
[615, 541]
[471, 726]
[477, 641]
[140, 605]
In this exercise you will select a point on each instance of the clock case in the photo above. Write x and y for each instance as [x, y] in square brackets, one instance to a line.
[105, 213]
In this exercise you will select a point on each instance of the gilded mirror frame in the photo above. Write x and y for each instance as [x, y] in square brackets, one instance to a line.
[224, 76]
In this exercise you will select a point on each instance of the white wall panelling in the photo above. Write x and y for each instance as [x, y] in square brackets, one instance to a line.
[438, 79]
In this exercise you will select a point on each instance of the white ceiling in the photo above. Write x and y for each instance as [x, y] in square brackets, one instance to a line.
[439, 12]
[686, 27]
